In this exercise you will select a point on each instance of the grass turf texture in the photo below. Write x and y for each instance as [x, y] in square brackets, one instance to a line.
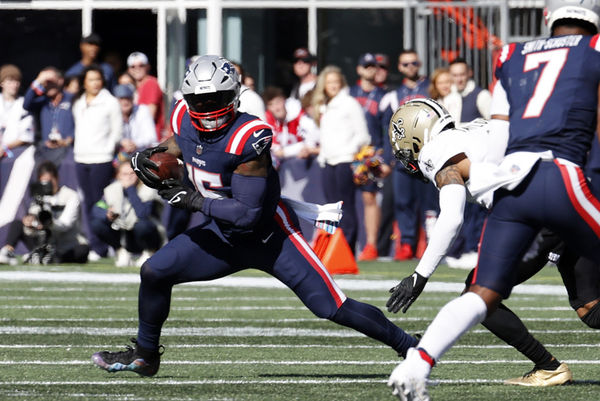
[225, 343]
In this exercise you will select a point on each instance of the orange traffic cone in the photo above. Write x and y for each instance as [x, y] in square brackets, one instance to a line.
[335, 253]
[421, 244]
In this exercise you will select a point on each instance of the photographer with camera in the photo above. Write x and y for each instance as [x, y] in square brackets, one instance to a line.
[128, 217]
[50, 230]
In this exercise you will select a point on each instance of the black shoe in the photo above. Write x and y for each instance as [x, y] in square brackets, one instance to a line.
[138, 360]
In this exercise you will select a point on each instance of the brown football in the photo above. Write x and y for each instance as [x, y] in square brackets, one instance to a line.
[169, 166]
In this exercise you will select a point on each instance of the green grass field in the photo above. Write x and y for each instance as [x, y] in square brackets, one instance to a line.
[243, 343]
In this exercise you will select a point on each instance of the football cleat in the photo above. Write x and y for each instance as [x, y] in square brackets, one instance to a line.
[409, 379]
[138, 360]
[544, 378]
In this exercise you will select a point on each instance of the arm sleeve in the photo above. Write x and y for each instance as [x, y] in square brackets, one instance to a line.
[484, 100]
[450, 219]
[244, 208]
[499, 104]
[69, 215]
[142, 209]
[497, 140]
[34, 97]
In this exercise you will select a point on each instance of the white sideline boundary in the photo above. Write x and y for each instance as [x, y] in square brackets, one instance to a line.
[255, 282]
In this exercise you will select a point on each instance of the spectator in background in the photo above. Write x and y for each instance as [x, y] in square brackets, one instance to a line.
[343, 132]
[304, 62]
[413, 199]
[51, 229]
[467, 101]
[148, 90]
[250, 101]
[128, 217]
[294, 133]
[16, 134]
[138, 125]
[16, 125]
[47, 100]
[71, 84]
[440, 84]
[249, 81]
[98, 131]
[383, 66]
[369, 95]
[90, 50]
[125, 78]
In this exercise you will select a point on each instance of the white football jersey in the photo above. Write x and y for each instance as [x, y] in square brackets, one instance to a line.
[485, 149]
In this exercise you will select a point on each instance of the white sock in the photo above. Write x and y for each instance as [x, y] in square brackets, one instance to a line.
[451, 322]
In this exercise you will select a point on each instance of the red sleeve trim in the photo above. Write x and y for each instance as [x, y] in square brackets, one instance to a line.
[242, 133]
[595, 43]
[177, 115]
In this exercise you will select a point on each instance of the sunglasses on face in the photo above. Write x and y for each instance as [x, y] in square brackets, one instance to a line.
[413, 63]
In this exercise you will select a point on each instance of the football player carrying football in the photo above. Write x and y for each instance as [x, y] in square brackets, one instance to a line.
[247, 224]
[548, 90]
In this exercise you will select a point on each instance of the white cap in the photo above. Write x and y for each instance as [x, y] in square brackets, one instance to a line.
[137, 57]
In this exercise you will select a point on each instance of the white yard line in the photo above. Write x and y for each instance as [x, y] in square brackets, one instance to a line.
[274, 346]
[223, 331]
[250, 320]
[296, 362]
[255, 282]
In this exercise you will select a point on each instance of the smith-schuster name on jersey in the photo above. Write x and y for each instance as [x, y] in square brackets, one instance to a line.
[211, 160]
[552, 88]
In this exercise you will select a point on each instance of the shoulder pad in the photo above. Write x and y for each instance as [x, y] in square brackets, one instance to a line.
[255, 132]
[505, 54]
[177, 114]
[595, 43]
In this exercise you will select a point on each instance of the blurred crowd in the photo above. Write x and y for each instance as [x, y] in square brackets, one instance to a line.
[69, 194]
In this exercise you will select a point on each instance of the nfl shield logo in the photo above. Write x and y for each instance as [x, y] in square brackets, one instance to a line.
[199, 149]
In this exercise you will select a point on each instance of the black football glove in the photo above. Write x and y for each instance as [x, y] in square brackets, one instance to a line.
[143, 166]
[181, 196]
[405, 293]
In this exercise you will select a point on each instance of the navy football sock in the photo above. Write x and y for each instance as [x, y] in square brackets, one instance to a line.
[509, 328]
[372, 322]
[154, 302]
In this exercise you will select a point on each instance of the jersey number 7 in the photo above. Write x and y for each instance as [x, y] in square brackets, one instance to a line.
[555, 61]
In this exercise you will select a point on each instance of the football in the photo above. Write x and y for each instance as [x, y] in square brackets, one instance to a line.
[169, 166]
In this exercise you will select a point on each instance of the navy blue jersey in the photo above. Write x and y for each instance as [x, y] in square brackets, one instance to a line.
[370, 104]
[552, 89]
[211, 159]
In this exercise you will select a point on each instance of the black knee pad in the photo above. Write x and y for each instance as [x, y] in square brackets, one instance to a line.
[592, 318]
